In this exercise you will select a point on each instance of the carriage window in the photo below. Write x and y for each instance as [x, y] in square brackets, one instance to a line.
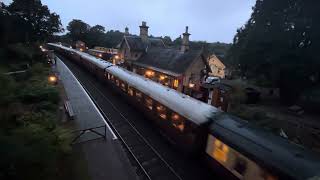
[220, 151]
[112, 77]
[240, 166]
[109, 76]
[267, 176]
[162, 111]
[123, 86]
[117, 82]
[139, 95]
[177, 121]
[148, 103]
[130, 91]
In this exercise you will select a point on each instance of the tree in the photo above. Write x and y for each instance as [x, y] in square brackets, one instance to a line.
[95, 36]
[278, 44]
[44, 24]
[98, 29]
[167, 40]
[78, 29]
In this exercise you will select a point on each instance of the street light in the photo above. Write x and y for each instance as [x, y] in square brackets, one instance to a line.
[53, 79]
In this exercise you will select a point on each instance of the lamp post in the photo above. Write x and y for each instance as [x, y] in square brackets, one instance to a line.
[53, 79]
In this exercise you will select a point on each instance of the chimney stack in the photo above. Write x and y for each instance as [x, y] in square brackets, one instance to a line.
[144, 32]
[126, 31]
[185, 41]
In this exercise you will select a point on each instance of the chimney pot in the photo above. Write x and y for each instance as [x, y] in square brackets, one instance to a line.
[144, 32]
[126, 31]
[185, 40]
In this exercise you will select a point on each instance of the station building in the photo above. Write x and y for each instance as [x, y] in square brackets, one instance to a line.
[181, 68]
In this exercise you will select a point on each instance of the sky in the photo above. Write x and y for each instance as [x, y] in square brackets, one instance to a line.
[208, 20]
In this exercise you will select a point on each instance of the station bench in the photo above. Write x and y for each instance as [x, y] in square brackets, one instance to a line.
[69, 110]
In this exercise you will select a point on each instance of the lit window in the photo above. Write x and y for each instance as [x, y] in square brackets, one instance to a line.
[123, 86]
[149, 103]
[117, 82]
[138, 95]
[220, 151]
[162, 77]
[177, 121]
[240, 166]
[130, 91]
[109, 76]
[149, 73]
[162, 111]
[176, 83]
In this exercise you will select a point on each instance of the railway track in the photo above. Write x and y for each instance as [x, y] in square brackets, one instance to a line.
[149, 163]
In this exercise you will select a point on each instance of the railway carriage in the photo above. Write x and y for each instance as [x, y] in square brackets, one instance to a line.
[232, 147]
[249, 152]
[183, 126]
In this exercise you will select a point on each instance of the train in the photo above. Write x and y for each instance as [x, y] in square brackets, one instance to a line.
[230, 146]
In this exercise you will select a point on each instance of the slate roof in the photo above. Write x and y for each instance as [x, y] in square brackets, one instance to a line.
[168, 59]
[135, 43]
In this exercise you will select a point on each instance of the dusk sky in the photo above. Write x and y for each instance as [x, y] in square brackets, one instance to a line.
[208, 20]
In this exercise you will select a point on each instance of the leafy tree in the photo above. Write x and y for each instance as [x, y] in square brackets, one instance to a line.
[78, 29]
[44, 24]
[97, 29]
[95, 36]
[278, 44]
[167, 40]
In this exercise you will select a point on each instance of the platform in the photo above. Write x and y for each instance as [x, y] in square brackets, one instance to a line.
[105, 157]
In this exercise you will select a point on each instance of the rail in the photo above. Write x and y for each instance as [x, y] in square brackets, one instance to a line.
[155, 167]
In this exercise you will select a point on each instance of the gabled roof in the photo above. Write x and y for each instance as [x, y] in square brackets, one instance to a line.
[213, 59]
[135, 43]
[168, 59]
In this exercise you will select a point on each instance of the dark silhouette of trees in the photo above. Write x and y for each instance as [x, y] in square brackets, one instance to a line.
[278, 44]
[43, 23]
[78, 29]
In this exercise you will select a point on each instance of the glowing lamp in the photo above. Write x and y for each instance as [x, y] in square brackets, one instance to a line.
[116, 57]
[53, 79]
[162, 77]
[175, 117]
[40, 47]
[100, 55]
[81, 49]
[149, 73]
[191, 85]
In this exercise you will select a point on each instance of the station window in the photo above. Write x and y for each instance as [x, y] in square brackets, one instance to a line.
[176, 83]
[177, 121]
[220, 151]
[162, 111]
[148, 103]
[139, 96]
[130, 91]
